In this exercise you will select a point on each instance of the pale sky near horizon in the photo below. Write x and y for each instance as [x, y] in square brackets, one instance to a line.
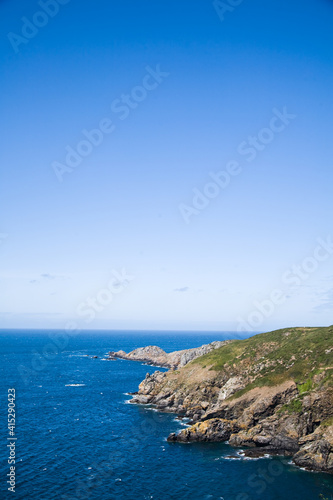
[209, 183]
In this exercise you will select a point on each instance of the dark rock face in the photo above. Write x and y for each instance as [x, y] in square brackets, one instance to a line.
[262, 452]
[316, 452]
[273, 442]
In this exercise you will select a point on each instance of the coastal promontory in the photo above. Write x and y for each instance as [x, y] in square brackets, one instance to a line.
[270, 393]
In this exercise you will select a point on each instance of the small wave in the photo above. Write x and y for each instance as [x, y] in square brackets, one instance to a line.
[181, 422]
[78, 355]
[75, 385]
[265, 457]
[242, 454]
[153, 366]
[133, 402]
[301, 468]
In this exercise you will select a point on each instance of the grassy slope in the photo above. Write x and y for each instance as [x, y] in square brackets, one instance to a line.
[290, 354]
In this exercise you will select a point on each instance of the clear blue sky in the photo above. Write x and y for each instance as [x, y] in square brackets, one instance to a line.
[211, 87]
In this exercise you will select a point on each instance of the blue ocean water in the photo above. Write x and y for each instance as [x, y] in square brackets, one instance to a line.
[78, 438]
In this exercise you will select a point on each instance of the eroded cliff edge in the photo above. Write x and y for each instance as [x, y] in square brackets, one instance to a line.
[271, 393]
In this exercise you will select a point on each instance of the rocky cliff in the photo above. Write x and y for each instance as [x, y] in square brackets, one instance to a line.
[271, 393]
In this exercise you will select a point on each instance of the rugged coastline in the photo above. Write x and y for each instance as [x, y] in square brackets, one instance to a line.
[271, 393]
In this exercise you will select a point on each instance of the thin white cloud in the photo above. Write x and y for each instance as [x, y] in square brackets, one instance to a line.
[47, 277]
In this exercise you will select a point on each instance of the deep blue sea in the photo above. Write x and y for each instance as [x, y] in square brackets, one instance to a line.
[78, 438]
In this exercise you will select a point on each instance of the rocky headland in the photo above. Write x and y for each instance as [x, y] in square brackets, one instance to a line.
[153, 355]
[271, 393]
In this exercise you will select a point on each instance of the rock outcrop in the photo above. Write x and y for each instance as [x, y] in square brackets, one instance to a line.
[216, 429]
[316, 451]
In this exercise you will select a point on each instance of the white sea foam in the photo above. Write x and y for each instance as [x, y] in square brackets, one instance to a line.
[181, 422]
[265, 457]
[78, 355]
[75, 385]
[302, 468]
[153, 366]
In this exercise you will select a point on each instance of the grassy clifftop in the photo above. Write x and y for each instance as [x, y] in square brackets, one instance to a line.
[304, 355]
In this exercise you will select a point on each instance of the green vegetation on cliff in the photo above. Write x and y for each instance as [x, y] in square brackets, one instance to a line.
[304, 355]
